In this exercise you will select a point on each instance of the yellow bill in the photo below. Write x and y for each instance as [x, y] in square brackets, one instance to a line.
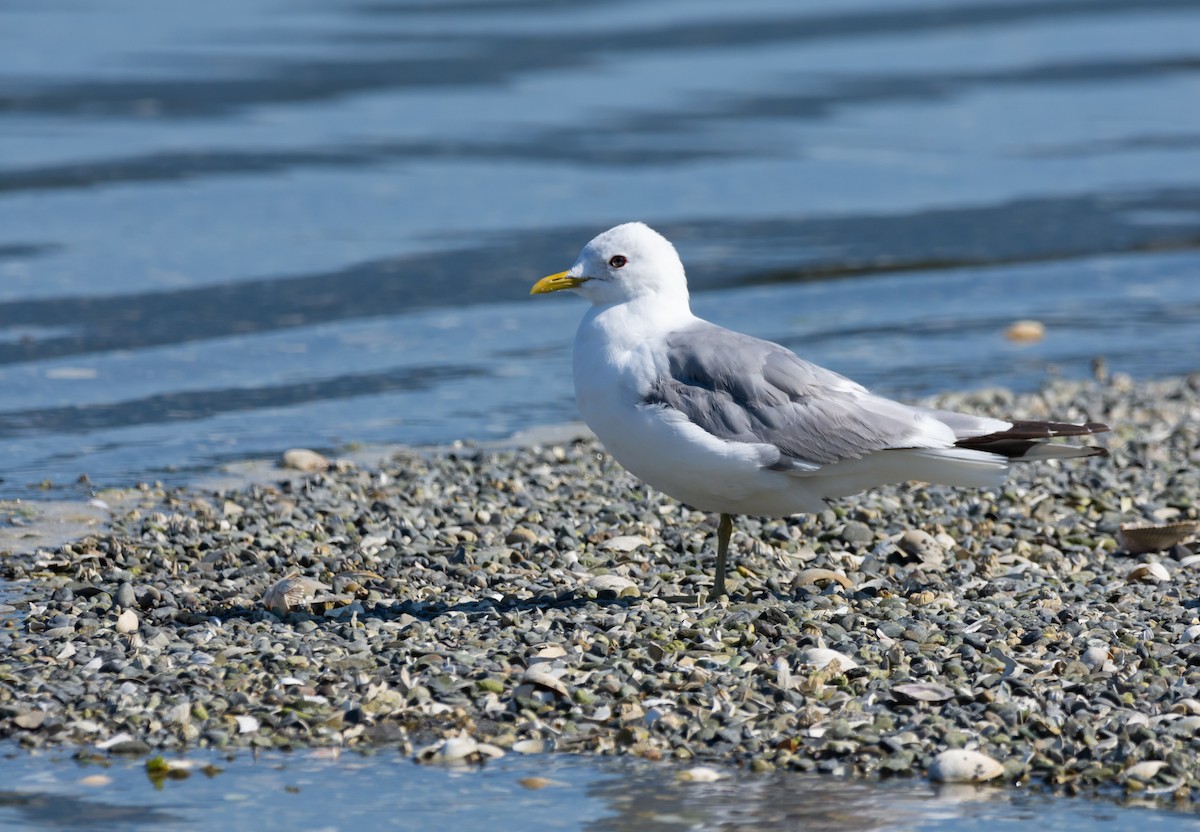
[556, 283]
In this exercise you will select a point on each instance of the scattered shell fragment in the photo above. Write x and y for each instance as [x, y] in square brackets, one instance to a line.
[542, 677]
[246, 724]
[548, 654]
[530, 746]
[1025, 331]
[700, 774]
[613, 585]
[922, 692]
[1097, 659]
[1148, 572]
[1140, 538]
[625, 543]
[819, 657]
[294, 591]
[959, 765]
[817, 576]
[458, 751]
[302, 459]
[1146, 771]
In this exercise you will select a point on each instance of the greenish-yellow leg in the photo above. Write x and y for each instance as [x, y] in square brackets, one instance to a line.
[724, 530]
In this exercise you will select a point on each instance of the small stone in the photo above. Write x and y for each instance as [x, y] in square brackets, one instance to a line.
[30, 720]
[125, 596]
[521, 535]
[856, 533]
[127, 622]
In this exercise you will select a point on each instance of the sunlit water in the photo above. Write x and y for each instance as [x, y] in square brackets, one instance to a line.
[307, 791]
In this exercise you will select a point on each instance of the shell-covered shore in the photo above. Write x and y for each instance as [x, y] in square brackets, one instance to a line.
[540, 599]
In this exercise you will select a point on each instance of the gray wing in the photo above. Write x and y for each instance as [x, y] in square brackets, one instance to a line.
[744, 389]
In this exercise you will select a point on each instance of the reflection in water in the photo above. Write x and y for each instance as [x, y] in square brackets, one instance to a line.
[55, 811]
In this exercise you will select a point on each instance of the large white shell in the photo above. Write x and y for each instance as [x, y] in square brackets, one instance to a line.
[1148, 572]
[817, 575]
[1139, 538]
[701, 774]
[458, 751]
[613, 584]
[821, 656]
[625, 543]
[958, 765]
[543, 677]
[294, 591]
[1146, 771]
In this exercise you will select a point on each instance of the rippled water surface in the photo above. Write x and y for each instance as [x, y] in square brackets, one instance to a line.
[301, 792]
[316, 223]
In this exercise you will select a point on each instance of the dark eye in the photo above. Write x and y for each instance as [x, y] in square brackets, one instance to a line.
[617, 261]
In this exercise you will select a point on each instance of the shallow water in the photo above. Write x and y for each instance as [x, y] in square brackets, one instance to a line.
[309, 791]
[275, 225]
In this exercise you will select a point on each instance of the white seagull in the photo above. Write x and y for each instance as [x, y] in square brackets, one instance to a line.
[733, 424]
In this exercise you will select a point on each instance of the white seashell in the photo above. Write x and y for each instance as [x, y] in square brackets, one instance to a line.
[922, 692]
[817, 575]
[700, 774]
[294, 591]
[302, 459]
[548, 653]
[372, 543]
[116, 739]
[127, 622]
[246, 724]
[533, 746]
[458, 751]
[1145, 772]
[1186, 706]
[546, 678]
[615, 584]
[1024, 332]
[1139, 538]
[1148, 572]
[1096, 659]
[822, 656]
[959, 765]
[625, 543]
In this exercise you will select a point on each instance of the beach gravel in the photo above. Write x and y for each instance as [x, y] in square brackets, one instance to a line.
[540, 599]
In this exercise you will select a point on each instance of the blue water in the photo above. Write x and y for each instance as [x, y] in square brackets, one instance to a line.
[277, 224]
[303, 791]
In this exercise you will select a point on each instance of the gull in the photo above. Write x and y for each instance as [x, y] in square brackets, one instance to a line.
[733, 424]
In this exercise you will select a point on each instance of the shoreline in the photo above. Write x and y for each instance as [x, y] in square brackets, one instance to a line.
[523, 595]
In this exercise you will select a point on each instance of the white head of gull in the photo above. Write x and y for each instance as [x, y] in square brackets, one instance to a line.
[733, 424]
